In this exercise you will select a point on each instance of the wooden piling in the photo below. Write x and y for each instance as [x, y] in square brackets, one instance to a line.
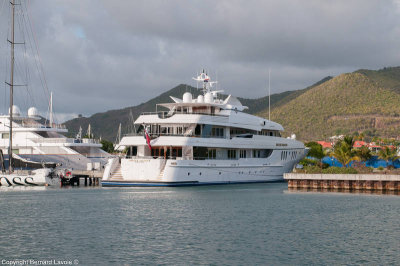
[344, 181]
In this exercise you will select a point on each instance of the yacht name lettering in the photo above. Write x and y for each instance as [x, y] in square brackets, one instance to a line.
[19, 181]
[140, 161]
[281, 144]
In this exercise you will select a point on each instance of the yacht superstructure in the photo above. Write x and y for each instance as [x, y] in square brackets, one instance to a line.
[202, 140]
[45, 143]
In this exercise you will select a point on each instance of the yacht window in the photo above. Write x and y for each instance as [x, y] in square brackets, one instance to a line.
[199, 153]
[5, 135]
[271, 133]
[132, 151]
[256, 153]
[155, 152]
[265, 153]
[180, 130]
[212, 153]
[197, 130]
[217, 132]
[242, 154]
[207, 129]
[231, 154]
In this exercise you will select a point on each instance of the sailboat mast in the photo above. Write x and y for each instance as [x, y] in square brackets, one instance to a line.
[51, 109]
[10, 168]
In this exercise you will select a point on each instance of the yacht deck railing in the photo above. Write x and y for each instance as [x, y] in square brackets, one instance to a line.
[166, 114]
[64, 140]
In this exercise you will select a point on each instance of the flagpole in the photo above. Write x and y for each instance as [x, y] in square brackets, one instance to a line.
[269, 94]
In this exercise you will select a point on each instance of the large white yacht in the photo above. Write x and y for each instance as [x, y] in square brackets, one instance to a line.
[202, 140]
[34, 142]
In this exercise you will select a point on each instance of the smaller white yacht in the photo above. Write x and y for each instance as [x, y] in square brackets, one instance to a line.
[202, 140]
[38, 177]
[34, 142]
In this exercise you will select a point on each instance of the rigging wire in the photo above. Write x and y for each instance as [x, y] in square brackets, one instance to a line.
[8, 58]
[31, 40]
[31, 26]
[27, 77]
[38, 61]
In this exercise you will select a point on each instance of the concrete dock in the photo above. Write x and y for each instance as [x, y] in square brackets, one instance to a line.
[344, 181]
[88, 178]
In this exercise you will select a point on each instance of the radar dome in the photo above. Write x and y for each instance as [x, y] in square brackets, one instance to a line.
[200, 99]
[208, 98]
[293, 136]
[187, 97]
[15, 111]
[33, 112]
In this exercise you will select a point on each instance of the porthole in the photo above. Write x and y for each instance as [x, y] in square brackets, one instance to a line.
[219, 172]
[200, 173]
[188, 173]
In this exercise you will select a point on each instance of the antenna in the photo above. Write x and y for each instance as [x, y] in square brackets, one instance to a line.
[89, 131]
[79, 135]
[269, 94]
[119, 133]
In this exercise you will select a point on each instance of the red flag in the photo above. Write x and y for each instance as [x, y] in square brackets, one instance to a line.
[147, 138]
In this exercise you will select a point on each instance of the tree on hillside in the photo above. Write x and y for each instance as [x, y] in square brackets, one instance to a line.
[108, 146]
[315, 151]
[363, 153]
[388, 154]
[344, 152]
[349, 140]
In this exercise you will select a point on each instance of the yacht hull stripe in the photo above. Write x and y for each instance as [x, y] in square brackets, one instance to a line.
[181, 184]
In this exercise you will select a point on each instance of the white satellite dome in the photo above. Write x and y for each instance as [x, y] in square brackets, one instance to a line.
[15, 111]
[208, 98]
[200, 99]
[187, 97]
[293, 136]
[33, 112]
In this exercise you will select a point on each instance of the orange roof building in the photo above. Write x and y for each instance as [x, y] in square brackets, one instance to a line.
[325, 145]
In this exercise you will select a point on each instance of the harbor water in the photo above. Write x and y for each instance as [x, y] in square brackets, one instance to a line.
[256, 224]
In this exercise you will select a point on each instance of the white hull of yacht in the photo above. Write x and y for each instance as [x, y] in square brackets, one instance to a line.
[161, 172]
[40, 177]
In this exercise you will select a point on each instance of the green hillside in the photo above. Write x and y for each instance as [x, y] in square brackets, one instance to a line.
[388, 77]
[361, 101]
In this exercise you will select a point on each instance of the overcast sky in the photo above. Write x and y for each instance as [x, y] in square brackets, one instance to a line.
[99, 55]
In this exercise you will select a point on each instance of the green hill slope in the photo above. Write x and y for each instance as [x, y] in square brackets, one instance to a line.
[388, 77]
[345, 104]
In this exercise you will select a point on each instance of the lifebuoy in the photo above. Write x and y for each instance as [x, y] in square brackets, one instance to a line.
[68, 174]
